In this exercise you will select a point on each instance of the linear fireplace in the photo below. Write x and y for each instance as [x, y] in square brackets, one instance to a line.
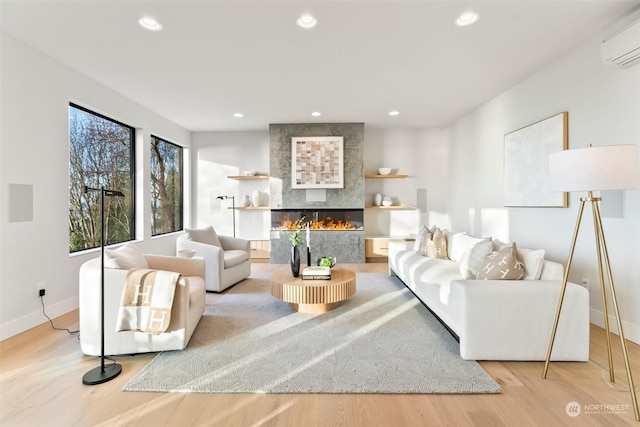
[317, 219]
[337, 232]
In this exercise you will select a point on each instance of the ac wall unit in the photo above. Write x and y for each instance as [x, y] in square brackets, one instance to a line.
[622, 47]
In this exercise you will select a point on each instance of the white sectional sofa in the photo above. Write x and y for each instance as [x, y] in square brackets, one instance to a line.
[498, 319]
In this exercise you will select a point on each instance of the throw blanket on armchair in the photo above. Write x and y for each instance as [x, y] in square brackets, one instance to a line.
[147, 298]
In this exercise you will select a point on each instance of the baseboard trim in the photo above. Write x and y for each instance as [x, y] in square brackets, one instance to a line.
[631, 331]
[36, 318]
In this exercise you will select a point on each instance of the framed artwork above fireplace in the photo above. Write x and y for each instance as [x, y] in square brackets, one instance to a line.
[317, 162]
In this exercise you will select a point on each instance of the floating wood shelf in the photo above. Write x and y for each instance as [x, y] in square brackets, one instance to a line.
[385, 176]
[248, 177]
[392, 207]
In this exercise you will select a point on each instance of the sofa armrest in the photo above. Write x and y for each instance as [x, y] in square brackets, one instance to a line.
[184, 266]
[208, 252]
[235, 243]
[513, 319]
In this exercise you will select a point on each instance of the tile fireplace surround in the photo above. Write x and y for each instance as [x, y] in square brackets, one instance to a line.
[346, 244]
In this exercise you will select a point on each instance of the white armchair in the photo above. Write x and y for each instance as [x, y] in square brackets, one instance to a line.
[227, 259]
[188, 307]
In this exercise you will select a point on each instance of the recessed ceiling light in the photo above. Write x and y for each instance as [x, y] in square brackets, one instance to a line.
[306, 21]
[150, 23]
[394, 113]
[316, 114]
[467, 18]
[238, 115]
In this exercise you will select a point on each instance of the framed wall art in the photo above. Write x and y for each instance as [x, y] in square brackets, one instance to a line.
[526, 163]
[317, 162]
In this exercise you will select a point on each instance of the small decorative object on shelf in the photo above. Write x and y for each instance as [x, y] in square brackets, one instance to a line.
[256, 198]
[384, 171]
[377, 199]
[316, 273]
[245, 202]
[386, 202]
[326, 261]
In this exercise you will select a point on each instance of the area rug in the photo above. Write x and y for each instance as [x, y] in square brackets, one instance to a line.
[381, 340]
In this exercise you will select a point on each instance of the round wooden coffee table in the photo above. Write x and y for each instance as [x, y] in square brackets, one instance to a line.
[313, 296]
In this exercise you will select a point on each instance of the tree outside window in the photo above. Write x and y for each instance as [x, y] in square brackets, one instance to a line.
[101, 154]
[166, 186]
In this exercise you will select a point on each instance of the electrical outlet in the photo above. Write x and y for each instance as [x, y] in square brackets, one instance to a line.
[585, 282]
[40, 290]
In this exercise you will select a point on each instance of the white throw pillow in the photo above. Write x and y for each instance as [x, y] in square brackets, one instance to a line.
[460, 242]
[533, 260]
[473, 259]
[125, 258]
[205, 235]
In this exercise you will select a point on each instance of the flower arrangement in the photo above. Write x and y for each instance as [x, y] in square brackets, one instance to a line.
[293, 234]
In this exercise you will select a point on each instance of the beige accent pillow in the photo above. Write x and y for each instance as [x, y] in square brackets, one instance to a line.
[125, 257]
[437, 246]
[502, 265]
[205, 235]
[474, 257]
[533, 260]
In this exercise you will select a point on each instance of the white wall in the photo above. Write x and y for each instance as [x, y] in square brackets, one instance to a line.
[217, 155]
[34, 149]
[604, 109]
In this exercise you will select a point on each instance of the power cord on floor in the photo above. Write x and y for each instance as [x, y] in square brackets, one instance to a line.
[70, 332]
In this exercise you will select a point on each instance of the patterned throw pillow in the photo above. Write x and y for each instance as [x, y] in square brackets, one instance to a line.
[423, 237]
[502, 265]
[437, 246]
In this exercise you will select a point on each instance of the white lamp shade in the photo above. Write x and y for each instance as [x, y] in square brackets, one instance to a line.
[613, 167]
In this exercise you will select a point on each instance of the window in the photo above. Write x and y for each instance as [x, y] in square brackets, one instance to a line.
[101, 154]
[166, 186]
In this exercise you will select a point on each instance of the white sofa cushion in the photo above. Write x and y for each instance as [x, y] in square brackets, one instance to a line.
[124, 258]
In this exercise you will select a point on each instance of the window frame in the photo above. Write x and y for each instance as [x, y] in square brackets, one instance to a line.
[132, 177]
[180, 224]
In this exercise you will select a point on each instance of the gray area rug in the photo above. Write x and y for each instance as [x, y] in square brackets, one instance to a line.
[381, 340]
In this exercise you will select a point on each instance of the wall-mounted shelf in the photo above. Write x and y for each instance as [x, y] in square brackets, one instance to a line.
[385, 176]
[392, 207]
[250, 208]
[248, 177]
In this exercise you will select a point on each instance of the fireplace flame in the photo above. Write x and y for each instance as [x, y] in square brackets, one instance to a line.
[324, 224]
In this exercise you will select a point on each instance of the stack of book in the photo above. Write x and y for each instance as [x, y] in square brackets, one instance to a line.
[316, 273]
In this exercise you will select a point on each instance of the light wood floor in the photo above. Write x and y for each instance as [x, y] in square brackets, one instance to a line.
[41, 384]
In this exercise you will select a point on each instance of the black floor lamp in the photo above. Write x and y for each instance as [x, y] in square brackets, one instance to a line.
[102, 373]
[233, 212]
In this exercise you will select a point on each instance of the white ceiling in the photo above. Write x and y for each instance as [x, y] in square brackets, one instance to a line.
[364, 58]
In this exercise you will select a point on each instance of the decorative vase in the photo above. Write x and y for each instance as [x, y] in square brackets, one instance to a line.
[377, 199]
[295, 261]
[246, 201]
[255, 198]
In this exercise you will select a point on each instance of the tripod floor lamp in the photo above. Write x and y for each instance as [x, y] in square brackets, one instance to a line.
[591, 169]
[102, 373]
